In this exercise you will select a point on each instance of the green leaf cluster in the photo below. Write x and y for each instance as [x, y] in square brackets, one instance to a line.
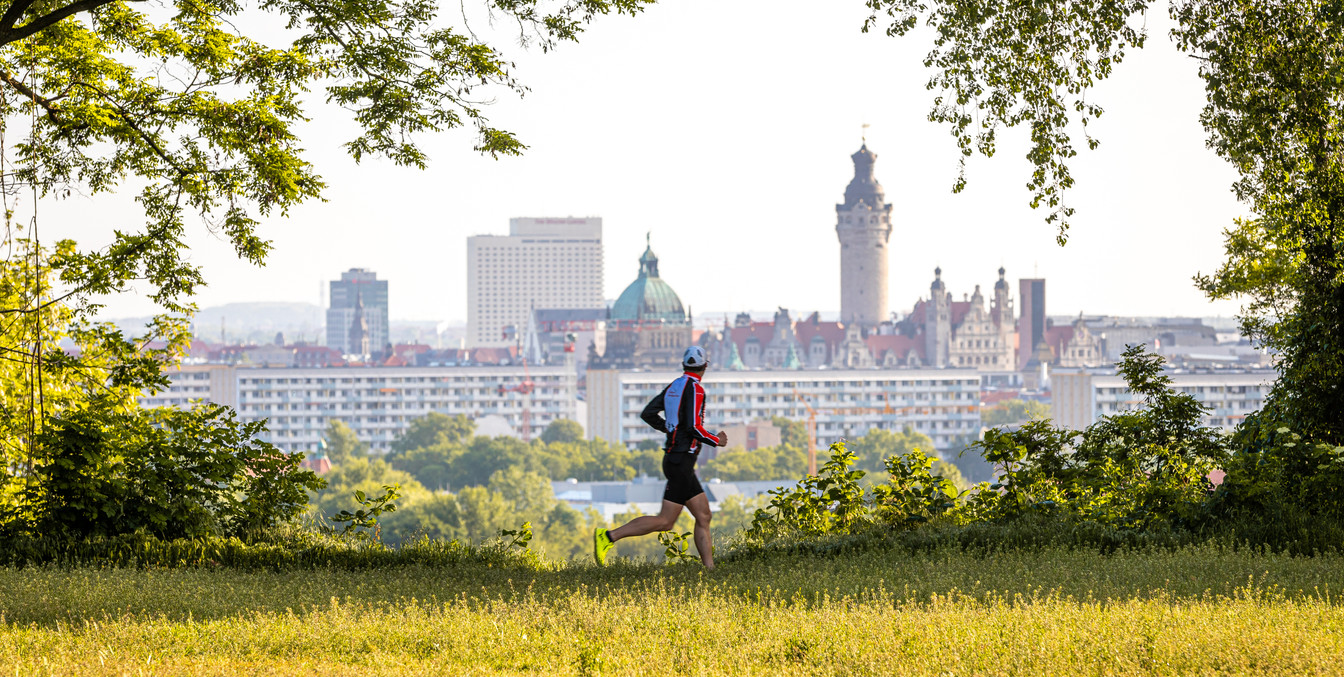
[365, 520]
[81, 459]
[1002, 65]
[165, 472]
[830, 502]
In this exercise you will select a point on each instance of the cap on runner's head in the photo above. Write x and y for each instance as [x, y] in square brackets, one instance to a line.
[694, 358]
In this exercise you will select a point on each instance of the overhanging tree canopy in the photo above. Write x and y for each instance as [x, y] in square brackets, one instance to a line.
[198, 114]
[1273, 72]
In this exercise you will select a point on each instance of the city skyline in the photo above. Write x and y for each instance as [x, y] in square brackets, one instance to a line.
[740, 198]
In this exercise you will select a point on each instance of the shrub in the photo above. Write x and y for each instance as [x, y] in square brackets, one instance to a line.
[1143, 473]
[1276, 472]
[168, 473]
[829, 502]
[1133, 469]
[913, 494]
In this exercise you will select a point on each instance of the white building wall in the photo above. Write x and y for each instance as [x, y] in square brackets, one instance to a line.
[378, 403]
[542, 263]
[1083, 397]
[1073, 399]
[196, 383]
[941, 403]
[604, 417]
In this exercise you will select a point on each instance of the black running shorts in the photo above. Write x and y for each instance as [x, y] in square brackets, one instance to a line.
[682, 484]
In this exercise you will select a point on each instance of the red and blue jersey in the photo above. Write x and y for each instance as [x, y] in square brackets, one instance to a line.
[679, 411]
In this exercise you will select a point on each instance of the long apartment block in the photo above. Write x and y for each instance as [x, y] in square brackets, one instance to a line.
[1084, 396]
[941, 403]
[378, 403]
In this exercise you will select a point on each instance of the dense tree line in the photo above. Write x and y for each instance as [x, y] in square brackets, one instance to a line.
[457, 485]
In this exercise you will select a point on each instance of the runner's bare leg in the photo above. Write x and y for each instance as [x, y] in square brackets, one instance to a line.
[699, 507]
[663, 521]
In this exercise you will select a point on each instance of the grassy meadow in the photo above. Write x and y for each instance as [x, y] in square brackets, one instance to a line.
[1197, 610]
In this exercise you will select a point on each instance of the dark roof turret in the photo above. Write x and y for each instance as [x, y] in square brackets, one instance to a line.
[1002, 284]
[864, 186]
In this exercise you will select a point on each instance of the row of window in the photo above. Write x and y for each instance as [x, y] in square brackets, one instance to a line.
[806, 386]
[409, 406]
[864, 398]
[963, 360]
[1251, 391]
[400, 380]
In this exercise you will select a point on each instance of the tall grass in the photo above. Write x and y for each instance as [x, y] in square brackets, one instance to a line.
[1202, 609]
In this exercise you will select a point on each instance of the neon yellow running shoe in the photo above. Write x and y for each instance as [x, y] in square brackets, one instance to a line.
[601, 544]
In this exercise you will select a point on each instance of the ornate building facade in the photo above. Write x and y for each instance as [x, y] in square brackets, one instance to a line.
[647, 327]
[863, 224]
[1083, 348]
[965, 334]
[1071, 346]
[975, 333]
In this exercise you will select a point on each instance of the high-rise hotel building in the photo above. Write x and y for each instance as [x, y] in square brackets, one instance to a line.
[541, 263]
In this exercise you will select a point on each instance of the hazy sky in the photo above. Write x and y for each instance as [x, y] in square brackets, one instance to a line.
[725, 128]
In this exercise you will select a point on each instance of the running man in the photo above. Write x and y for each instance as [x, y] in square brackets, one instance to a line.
[678, 411]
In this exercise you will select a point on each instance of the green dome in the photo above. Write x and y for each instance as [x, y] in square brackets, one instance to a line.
[648, 297]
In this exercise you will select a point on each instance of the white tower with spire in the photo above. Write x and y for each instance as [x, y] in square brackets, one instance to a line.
[863, 224]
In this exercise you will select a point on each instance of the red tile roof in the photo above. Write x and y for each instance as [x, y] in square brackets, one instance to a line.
[1058, 338]
[900, 344]
[761, 331]
[831, 332]
[959, 310]
[494, 355]
[989, 398]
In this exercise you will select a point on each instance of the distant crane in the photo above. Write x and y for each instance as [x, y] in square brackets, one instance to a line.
[812, 423]
[811, 434]
[571, 391]
[525, 389]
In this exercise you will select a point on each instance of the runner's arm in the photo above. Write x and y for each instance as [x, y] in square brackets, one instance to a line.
[653, 413]
[697, 415]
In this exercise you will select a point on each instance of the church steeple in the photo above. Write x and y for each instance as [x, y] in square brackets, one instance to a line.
[359, 328]
[648, 263]
[1003, 304]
